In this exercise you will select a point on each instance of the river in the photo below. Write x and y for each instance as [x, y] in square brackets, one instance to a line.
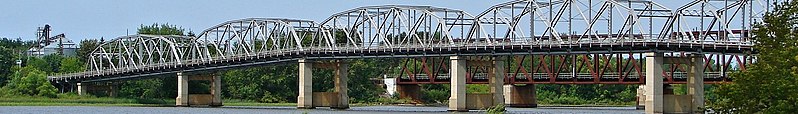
[293, 110]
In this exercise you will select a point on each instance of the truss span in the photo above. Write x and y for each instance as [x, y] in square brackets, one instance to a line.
[137, 51]
[522, 27]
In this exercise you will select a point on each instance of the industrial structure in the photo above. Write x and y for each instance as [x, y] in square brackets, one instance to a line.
[511, 47]
[47, 45]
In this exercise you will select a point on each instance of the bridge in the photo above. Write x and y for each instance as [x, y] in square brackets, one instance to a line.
[510, 46]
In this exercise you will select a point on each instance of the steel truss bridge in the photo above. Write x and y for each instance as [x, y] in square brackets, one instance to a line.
[542, 41]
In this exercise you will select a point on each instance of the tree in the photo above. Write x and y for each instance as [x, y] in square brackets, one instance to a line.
[6, 62]
[71, 65]
[86, 47]
[9, 49]
[31, 81]
[162, 29]
[771, 84]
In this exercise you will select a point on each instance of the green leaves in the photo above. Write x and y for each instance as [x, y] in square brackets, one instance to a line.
[31, 81]
[162, 29]
[770, 85]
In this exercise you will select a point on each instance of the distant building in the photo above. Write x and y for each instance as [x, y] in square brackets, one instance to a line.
[46, 45]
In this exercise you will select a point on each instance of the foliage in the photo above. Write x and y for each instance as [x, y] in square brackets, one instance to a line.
[6, 62]
[584, 94]
[162, 29]
[32, 82]
[498, 109]
[771, 84]
[71, 65]
[86, 47]
[435, 93]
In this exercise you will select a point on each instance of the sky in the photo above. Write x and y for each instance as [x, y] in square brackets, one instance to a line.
[92, 19]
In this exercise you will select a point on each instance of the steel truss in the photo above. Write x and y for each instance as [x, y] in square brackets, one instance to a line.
[584, 34]
[616, 68]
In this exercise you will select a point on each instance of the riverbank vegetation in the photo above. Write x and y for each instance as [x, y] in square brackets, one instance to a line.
[768, 86]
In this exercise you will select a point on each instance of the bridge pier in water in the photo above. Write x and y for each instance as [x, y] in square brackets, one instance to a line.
[184, 98]
[656, 101]
[460, 100]
[307, 99]
[522, 96]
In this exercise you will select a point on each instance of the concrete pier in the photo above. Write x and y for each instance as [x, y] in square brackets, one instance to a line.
[654, 97]
[695, 83]
[305, 98]
[182, 90]
[522, 96]
[457, 98]
[216, 91]
[341, 74]
[82, 89]
[496, 80]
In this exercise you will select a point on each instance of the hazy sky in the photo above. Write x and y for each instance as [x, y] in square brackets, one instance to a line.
[92, 19]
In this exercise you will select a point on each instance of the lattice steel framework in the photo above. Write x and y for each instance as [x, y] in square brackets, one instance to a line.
[583, 34]
[397, 26]
[254, 36]
[136, 52]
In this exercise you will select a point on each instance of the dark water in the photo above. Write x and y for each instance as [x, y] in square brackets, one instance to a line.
[293, 110]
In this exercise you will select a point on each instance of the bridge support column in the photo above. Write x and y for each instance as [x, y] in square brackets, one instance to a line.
[520, 96]
[410, 91]
[82, 89]
[216, 91]
[654, 96]
[341, 73]
[182, 90]
[496, 81]
[695, 83]
[641, 97]
[305, 98]
[457, 98]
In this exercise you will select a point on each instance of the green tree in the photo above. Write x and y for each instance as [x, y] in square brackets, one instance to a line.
[6, 62]
[31, 81]
[9, 50]
[86, 47]
[162, 29]
[771, 84]
[71, 65]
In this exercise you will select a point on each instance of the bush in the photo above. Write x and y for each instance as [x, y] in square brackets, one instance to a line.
[30, 81]
[498, 109]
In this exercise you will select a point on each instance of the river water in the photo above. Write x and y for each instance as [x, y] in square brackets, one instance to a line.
[293, 110]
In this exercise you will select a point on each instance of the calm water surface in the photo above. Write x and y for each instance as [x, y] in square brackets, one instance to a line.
[293, 110]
